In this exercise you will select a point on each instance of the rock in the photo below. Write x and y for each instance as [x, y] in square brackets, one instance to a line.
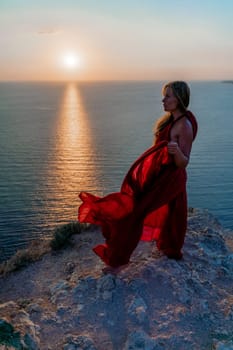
[223, 345]
[81, 342]
[59, 292]
[14, 339]
[60, 285]
[139, 340]
[30, 342]
[86, 286]
[34, 308]
[106, 286]
[106, 283]
[69, 268]
[17, 327]
[137, 310]
[153, 304]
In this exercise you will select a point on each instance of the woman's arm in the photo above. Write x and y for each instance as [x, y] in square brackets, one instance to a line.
[181, 143]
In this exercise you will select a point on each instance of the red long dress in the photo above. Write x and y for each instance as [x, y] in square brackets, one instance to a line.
[151, 205]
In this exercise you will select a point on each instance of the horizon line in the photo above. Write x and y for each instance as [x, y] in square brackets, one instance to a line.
[110, 80]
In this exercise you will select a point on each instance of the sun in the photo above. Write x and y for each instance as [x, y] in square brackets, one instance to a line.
[71, 60]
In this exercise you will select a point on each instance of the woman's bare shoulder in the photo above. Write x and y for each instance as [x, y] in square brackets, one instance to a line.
[182, 127]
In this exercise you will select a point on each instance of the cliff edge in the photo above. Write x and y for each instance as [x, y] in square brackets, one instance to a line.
[64, 301]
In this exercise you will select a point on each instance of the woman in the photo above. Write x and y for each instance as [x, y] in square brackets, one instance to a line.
[152, 202]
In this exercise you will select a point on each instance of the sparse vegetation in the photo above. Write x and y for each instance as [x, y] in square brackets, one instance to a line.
[8, 336]
[23, 257]
[60, 239]
[63, 233]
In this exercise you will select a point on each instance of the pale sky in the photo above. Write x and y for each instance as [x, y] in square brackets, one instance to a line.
[116, 40]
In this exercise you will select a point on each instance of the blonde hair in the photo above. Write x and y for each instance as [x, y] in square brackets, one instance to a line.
[181, 91]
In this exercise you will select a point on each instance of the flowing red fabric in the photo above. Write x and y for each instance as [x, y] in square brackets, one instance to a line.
[151, 205]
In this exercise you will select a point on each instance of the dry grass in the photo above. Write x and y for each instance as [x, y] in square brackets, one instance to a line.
[63, 233]
[60, 239]
[25, 256]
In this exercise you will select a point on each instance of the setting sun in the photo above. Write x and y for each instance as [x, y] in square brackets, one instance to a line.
[71, 60]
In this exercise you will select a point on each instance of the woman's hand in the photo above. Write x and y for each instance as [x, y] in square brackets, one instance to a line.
[181, 137]
[173, 148]
[180, 159]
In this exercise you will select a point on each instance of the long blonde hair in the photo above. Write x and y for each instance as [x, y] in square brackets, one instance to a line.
[182, 92]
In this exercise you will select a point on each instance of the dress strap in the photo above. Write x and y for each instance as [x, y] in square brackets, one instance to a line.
[176, 120]
[173, 122]
[189, 115]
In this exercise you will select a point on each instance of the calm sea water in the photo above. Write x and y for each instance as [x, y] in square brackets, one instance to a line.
[59, 139]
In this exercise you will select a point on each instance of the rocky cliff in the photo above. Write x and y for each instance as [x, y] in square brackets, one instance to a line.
[64, 301]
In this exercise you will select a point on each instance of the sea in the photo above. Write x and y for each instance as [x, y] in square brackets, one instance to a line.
[57, 139]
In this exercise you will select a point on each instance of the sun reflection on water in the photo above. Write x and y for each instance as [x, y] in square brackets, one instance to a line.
[72, 165]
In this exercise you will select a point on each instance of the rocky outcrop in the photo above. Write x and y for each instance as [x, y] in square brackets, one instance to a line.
[24, 334]
[66, 302]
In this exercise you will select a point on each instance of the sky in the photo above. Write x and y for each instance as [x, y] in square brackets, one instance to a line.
[63, 40]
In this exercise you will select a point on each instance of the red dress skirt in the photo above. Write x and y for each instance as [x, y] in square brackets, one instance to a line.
[151, 205]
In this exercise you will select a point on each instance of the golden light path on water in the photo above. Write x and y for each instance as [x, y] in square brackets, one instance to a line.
[72, 167]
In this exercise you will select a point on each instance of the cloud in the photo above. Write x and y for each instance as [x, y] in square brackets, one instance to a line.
[49, 31]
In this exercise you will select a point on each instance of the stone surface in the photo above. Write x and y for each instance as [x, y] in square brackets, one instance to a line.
[16, 328]
[65, 301]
